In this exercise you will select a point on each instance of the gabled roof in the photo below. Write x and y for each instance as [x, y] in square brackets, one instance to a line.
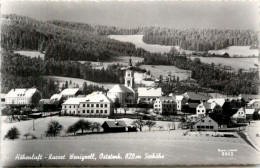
[197, 96]
[179, 97]
[253, 101]
[21, 92]
[219, 101]
[97, 97]
[120, 88]
[74, 101]
[115, 124]
[167, 98]
[149, 92]
[206, 117]
[70, 91]
[47, 101]
[193, 105]
[56, 97]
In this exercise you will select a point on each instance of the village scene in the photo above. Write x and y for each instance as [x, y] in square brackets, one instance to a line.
[123, 97]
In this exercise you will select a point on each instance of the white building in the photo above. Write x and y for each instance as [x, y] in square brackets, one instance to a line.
[20, 96]
[206, 124]
[56, 97]
[165, 105]
[124, 94]
[148, 95]
[205, 108]
[254, 104]
[242, 114]
[94, 104]
[180, 100]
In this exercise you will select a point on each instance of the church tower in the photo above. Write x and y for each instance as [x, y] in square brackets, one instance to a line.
[129, 75]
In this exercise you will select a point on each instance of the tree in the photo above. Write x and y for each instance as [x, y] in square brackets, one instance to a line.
[96, 126]
[150, 124]
[54, 128]
[83, 125]
[36, 98]
[72, 129]
[13, 133]
[139, 124]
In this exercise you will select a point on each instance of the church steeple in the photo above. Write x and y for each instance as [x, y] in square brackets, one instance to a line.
[129, 75]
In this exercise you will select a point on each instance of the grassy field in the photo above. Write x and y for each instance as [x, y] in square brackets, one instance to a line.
[31, 53]
[158, 70]
[78, 81]
[176, 148]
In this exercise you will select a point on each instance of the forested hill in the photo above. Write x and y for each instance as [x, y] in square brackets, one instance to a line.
[189, 39]
[58, 42]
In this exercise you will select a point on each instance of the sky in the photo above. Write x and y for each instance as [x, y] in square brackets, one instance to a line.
[131, 14]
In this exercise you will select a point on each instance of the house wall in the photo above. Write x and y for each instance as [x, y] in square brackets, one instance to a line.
[98, 108]
[164, 107]
[206, 124]
[201, 111]
[70, 109]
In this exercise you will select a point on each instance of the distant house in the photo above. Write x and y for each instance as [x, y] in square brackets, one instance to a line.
[254, 104]
[56, 97]
[3, 100]
[243, 114]
[206, 124]
[114, 126]
[47, 105]
[165, 105]
[180, 101]
[148, 95]
[248, 97]
[196, 97]
[21, 97]
[94, 104]
[70, 92]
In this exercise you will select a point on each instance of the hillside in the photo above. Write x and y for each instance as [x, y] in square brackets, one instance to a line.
[58, 42]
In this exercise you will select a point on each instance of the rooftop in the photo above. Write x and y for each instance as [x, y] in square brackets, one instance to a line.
[197, 96]
[70, 91]
[21, 92]
[149, 92]
[120, 88]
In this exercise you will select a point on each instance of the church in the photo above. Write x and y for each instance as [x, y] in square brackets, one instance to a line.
[124, 94]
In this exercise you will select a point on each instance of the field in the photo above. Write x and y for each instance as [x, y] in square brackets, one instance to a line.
[235, 63]
[237, 50]
[158, 70]
[78, 81]
[176, 148]
[31, 53]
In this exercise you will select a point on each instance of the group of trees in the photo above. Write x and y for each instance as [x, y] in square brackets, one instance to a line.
[201, 39]
[140, 124]
[83, 125]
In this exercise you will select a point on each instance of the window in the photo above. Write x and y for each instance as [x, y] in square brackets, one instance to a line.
[202, 121]
[97, 111]
[70, 106]
[87, 111]
[83, 111]
[87, 105]
[65, 107]
[101, 105]
[198, 126]
[105, 105]
[211, 127]
[198, 110]
[202, 126]
[101, 111]
[97, 105]
[202, 111]
[207, 127]
[105, 111]
[92, 111]
[92, 105]
[74, 106]
[83, 105]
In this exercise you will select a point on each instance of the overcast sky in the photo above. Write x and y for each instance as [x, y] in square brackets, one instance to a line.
[232, 15]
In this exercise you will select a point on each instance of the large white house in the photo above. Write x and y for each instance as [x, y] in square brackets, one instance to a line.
[180, 100]
[165, 105]
[70, 92]
[20, 96]
[254, 104]
[94, 104]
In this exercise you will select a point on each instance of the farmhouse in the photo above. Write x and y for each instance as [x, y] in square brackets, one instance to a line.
[248, 97]
[56, 97]
[21, 97]
[114, 126]
[148, 95]
[206, 124]
[165, 105]
[70, 92]
[180, 100]
[196, 97]
[71, 106]
[205, 108]
[242, 114]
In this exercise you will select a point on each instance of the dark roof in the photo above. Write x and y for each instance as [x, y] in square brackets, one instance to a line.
[197, 96]
[115, 124]
[193, 105]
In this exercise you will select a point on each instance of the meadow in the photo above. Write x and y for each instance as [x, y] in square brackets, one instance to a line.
[176, 148]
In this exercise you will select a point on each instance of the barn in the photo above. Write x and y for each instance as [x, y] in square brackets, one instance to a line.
[114, 126]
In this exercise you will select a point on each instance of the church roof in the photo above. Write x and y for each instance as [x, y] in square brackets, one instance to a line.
[120, 88]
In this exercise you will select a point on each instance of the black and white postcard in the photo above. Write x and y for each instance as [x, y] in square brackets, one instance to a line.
[130, 83]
